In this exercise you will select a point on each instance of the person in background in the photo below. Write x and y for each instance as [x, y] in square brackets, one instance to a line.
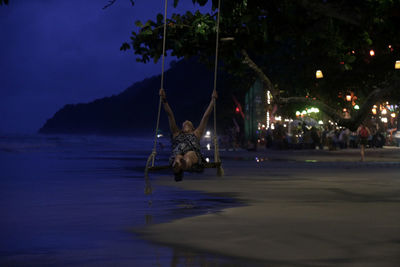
[363, 133]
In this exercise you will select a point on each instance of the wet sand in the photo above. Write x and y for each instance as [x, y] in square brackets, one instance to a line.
[301, 208]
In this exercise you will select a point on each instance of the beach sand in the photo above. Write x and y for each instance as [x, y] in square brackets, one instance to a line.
[300, 208]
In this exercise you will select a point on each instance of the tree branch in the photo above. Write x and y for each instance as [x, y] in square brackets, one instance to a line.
[330, 11]
[227, 39]
[248, 61]
[111, 2]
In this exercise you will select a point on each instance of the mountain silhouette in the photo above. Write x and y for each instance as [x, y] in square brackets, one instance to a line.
[188, 85]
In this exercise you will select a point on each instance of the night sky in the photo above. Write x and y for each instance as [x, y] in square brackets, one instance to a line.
[55, 52]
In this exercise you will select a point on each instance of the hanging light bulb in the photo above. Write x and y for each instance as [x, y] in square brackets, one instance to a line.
[319, 74]
[348, 98]
[397, 65]
[372, 53]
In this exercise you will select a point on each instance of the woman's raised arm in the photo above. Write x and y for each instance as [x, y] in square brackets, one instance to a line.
[203, 123]
[171, 118]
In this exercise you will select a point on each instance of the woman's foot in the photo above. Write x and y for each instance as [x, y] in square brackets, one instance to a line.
[177, 168]
[183, 164]
[178, 176]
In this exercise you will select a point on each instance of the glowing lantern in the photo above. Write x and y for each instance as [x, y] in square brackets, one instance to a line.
[298, 113]
[374, 111]
[319, 74]
[237, 110]
[372, 53]
[397, 65]
[384, 111]
[357, 107]
[348, 97]
[393, 115]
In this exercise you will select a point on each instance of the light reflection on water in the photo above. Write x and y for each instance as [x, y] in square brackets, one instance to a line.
[75, 200]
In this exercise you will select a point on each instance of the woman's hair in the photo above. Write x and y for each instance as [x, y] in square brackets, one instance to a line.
[188, 122]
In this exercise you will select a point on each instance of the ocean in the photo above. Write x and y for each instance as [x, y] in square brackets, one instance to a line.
[77, 200]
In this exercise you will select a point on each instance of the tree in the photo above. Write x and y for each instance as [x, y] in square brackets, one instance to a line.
[283, 43]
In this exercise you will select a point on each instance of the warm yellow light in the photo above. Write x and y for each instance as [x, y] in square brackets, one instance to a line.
[393, 115]
[372, 53]
[319, 74]
[374, 111]
[348, 97]
[397, 65]
[384, 111]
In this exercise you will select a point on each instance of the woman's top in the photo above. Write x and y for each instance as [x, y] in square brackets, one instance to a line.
[185, 142]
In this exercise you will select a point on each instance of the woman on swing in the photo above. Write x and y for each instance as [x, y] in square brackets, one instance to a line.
[186, 155]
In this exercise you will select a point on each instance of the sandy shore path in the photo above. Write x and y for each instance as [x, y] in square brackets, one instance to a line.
[297, 211]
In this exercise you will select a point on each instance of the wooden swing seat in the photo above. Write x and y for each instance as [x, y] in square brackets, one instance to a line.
[208, 165]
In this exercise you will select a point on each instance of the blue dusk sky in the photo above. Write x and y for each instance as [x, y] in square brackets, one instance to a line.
[56, 52]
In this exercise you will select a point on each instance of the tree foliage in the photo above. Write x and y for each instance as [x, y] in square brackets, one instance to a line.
[284, 42]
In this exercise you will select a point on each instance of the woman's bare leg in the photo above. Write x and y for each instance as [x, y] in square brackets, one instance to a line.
[190, 159]
[362, 152]
[177, 165]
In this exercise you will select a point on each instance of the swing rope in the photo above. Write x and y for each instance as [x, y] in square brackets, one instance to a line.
[153, 154]
[220, 171]
[217, 160]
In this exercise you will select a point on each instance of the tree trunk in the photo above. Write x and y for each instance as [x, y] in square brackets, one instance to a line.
[266, 81]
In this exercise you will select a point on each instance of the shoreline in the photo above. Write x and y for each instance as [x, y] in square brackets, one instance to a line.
[321, 213]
